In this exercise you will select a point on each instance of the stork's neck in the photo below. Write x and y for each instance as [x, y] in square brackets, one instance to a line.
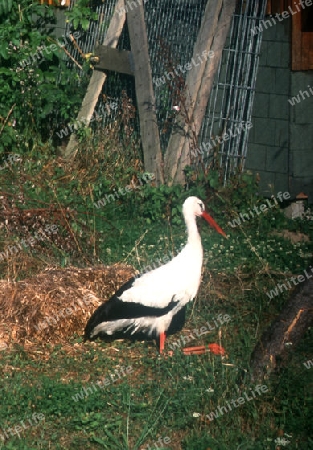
[194, 238]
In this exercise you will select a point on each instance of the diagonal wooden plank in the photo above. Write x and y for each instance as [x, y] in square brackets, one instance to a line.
[144, 92]
[199, 81]
[113, 59]
[203, 43]
[98, 78]
[207, 81]
[212, 64]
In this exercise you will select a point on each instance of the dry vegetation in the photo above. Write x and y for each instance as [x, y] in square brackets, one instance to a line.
[54, 305]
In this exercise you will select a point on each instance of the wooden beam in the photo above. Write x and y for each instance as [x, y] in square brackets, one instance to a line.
[289, 327]
[144, 92]
[98, 78]
[113, 59]
[199, 82]
[212, 64]
[307, 50]
[176, 154]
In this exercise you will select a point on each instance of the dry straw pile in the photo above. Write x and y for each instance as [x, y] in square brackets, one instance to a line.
[55, 304]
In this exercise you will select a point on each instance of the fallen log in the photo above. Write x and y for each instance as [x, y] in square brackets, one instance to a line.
[285, 332]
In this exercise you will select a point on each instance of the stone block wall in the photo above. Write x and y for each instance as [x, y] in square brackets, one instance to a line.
[280, 144]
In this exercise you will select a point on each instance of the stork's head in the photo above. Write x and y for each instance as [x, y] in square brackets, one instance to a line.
[193, 206]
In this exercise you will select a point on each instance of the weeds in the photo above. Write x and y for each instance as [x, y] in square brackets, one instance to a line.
[162, 396]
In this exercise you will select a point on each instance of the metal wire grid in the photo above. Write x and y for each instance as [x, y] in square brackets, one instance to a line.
[115, 82]
[172, 28]
[97, 29]
[231, 99]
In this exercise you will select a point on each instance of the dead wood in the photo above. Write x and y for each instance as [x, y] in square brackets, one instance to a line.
[285, 332]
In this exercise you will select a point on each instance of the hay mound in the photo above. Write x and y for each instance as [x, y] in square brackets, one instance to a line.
[55, 304]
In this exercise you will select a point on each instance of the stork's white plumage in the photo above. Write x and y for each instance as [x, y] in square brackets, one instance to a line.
[154, 303]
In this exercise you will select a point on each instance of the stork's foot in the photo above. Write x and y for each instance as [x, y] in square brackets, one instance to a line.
[213, 348]
[162, 342]
[194, 350]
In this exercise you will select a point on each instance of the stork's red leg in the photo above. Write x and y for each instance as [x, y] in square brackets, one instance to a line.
[162, 341]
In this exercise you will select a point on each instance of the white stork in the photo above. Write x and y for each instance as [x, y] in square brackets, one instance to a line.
[153, 304]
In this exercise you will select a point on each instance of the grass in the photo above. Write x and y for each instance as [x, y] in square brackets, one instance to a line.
[160, 398]
[164, 401]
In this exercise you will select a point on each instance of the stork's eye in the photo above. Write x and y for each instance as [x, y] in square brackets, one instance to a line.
[201, 206]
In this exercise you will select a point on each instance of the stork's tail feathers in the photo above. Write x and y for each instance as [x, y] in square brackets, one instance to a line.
[120, 319]
[104, 312]
[100, 315]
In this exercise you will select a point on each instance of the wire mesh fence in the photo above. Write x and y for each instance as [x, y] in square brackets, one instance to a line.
[229, 109]
[172, 29]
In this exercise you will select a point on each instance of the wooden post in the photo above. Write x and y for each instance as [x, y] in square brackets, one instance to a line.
[144, 91]
[98, 78]
[199, 81]
[212, 64]
[113, 59]
[301, 44]
[176, 156]
[285, 332]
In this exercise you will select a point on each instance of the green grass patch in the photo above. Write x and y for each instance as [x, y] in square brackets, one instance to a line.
[162, 397]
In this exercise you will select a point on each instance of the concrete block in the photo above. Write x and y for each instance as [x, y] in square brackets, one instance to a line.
[283, 31]
[294, 210]
[261, 105]
[282, 81]
[279, 107]
[256, 157]
[277, 160]
[302, 95]
[274, 55]
[302, 164]
[304, 111]
[281, 182]
[299, 80]
[305, 185]
[269, 32]
[266, 80]
[263, 52]
[282, 133]
[264, 131]
[286, 55]
[301, 136]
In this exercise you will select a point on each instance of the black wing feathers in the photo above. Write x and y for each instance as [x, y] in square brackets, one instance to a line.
[115, 309]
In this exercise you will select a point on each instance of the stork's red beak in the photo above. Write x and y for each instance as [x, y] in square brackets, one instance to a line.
[213, 224]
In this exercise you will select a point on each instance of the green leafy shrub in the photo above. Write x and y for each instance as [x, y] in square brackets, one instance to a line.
[38, 92]
[81, 14]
